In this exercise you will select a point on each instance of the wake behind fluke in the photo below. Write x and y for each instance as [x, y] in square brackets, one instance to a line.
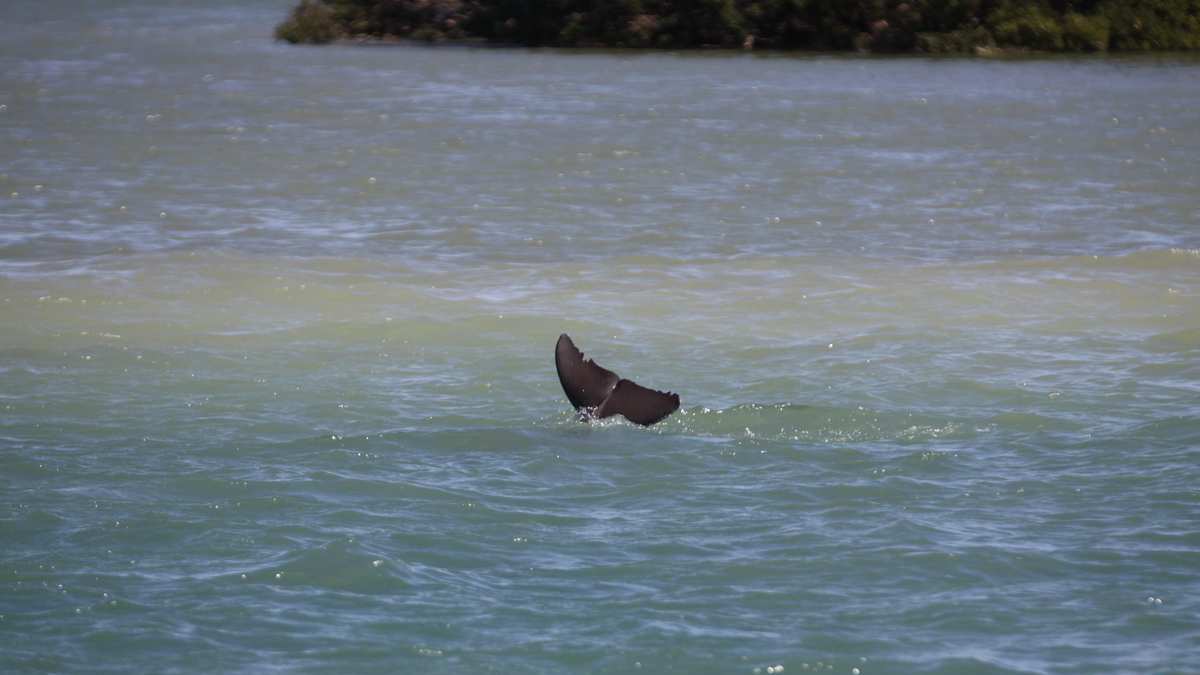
[598, 393]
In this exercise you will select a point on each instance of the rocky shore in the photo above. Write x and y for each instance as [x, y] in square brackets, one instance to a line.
[913, 26]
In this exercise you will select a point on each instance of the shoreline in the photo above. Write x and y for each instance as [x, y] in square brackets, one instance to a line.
[995, 53]
[920, 27]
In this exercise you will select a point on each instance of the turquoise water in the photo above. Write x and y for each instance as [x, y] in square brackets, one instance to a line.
[277, 388]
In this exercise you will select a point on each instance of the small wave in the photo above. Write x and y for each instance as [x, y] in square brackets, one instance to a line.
[1172, 432]
[816, 424]
[337, 566]
[1178, 340]
[43, 247]
[1154, 259]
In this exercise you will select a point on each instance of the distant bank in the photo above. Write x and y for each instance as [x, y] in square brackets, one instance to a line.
[916, 26]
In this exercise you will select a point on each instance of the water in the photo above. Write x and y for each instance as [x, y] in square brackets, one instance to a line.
[276, 334]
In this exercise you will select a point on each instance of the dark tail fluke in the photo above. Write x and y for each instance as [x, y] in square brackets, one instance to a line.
[586, 384]
[638, 404]
[600, 393]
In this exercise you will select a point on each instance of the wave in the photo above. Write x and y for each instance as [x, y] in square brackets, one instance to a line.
[858, 424]
[773, 422]
[1149, 259]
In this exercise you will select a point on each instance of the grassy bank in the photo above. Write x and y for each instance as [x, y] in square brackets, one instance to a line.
[929, 26]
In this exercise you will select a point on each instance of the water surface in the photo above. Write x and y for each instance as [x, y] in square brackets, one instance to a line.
[276, 332]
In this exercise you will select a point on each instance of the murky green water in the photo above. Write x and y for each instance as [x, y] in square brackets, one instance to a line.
[276, 377]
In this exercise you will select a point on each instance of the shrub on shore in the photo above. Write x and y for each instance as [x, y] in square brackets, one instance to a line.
[932, 26]
[311, 21]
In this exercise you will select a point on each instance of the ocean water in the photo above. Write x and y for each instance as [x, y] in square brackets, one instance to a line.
[277, 324]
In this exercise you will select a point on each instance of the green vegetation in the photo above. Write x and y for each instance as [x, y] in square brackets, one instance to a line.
[931, 26]
[311, 21]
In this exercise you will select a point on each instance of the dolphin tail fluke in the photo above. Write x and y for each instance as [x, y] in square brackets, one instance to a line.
[600, 393]
[638, 404]
[585, 383]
